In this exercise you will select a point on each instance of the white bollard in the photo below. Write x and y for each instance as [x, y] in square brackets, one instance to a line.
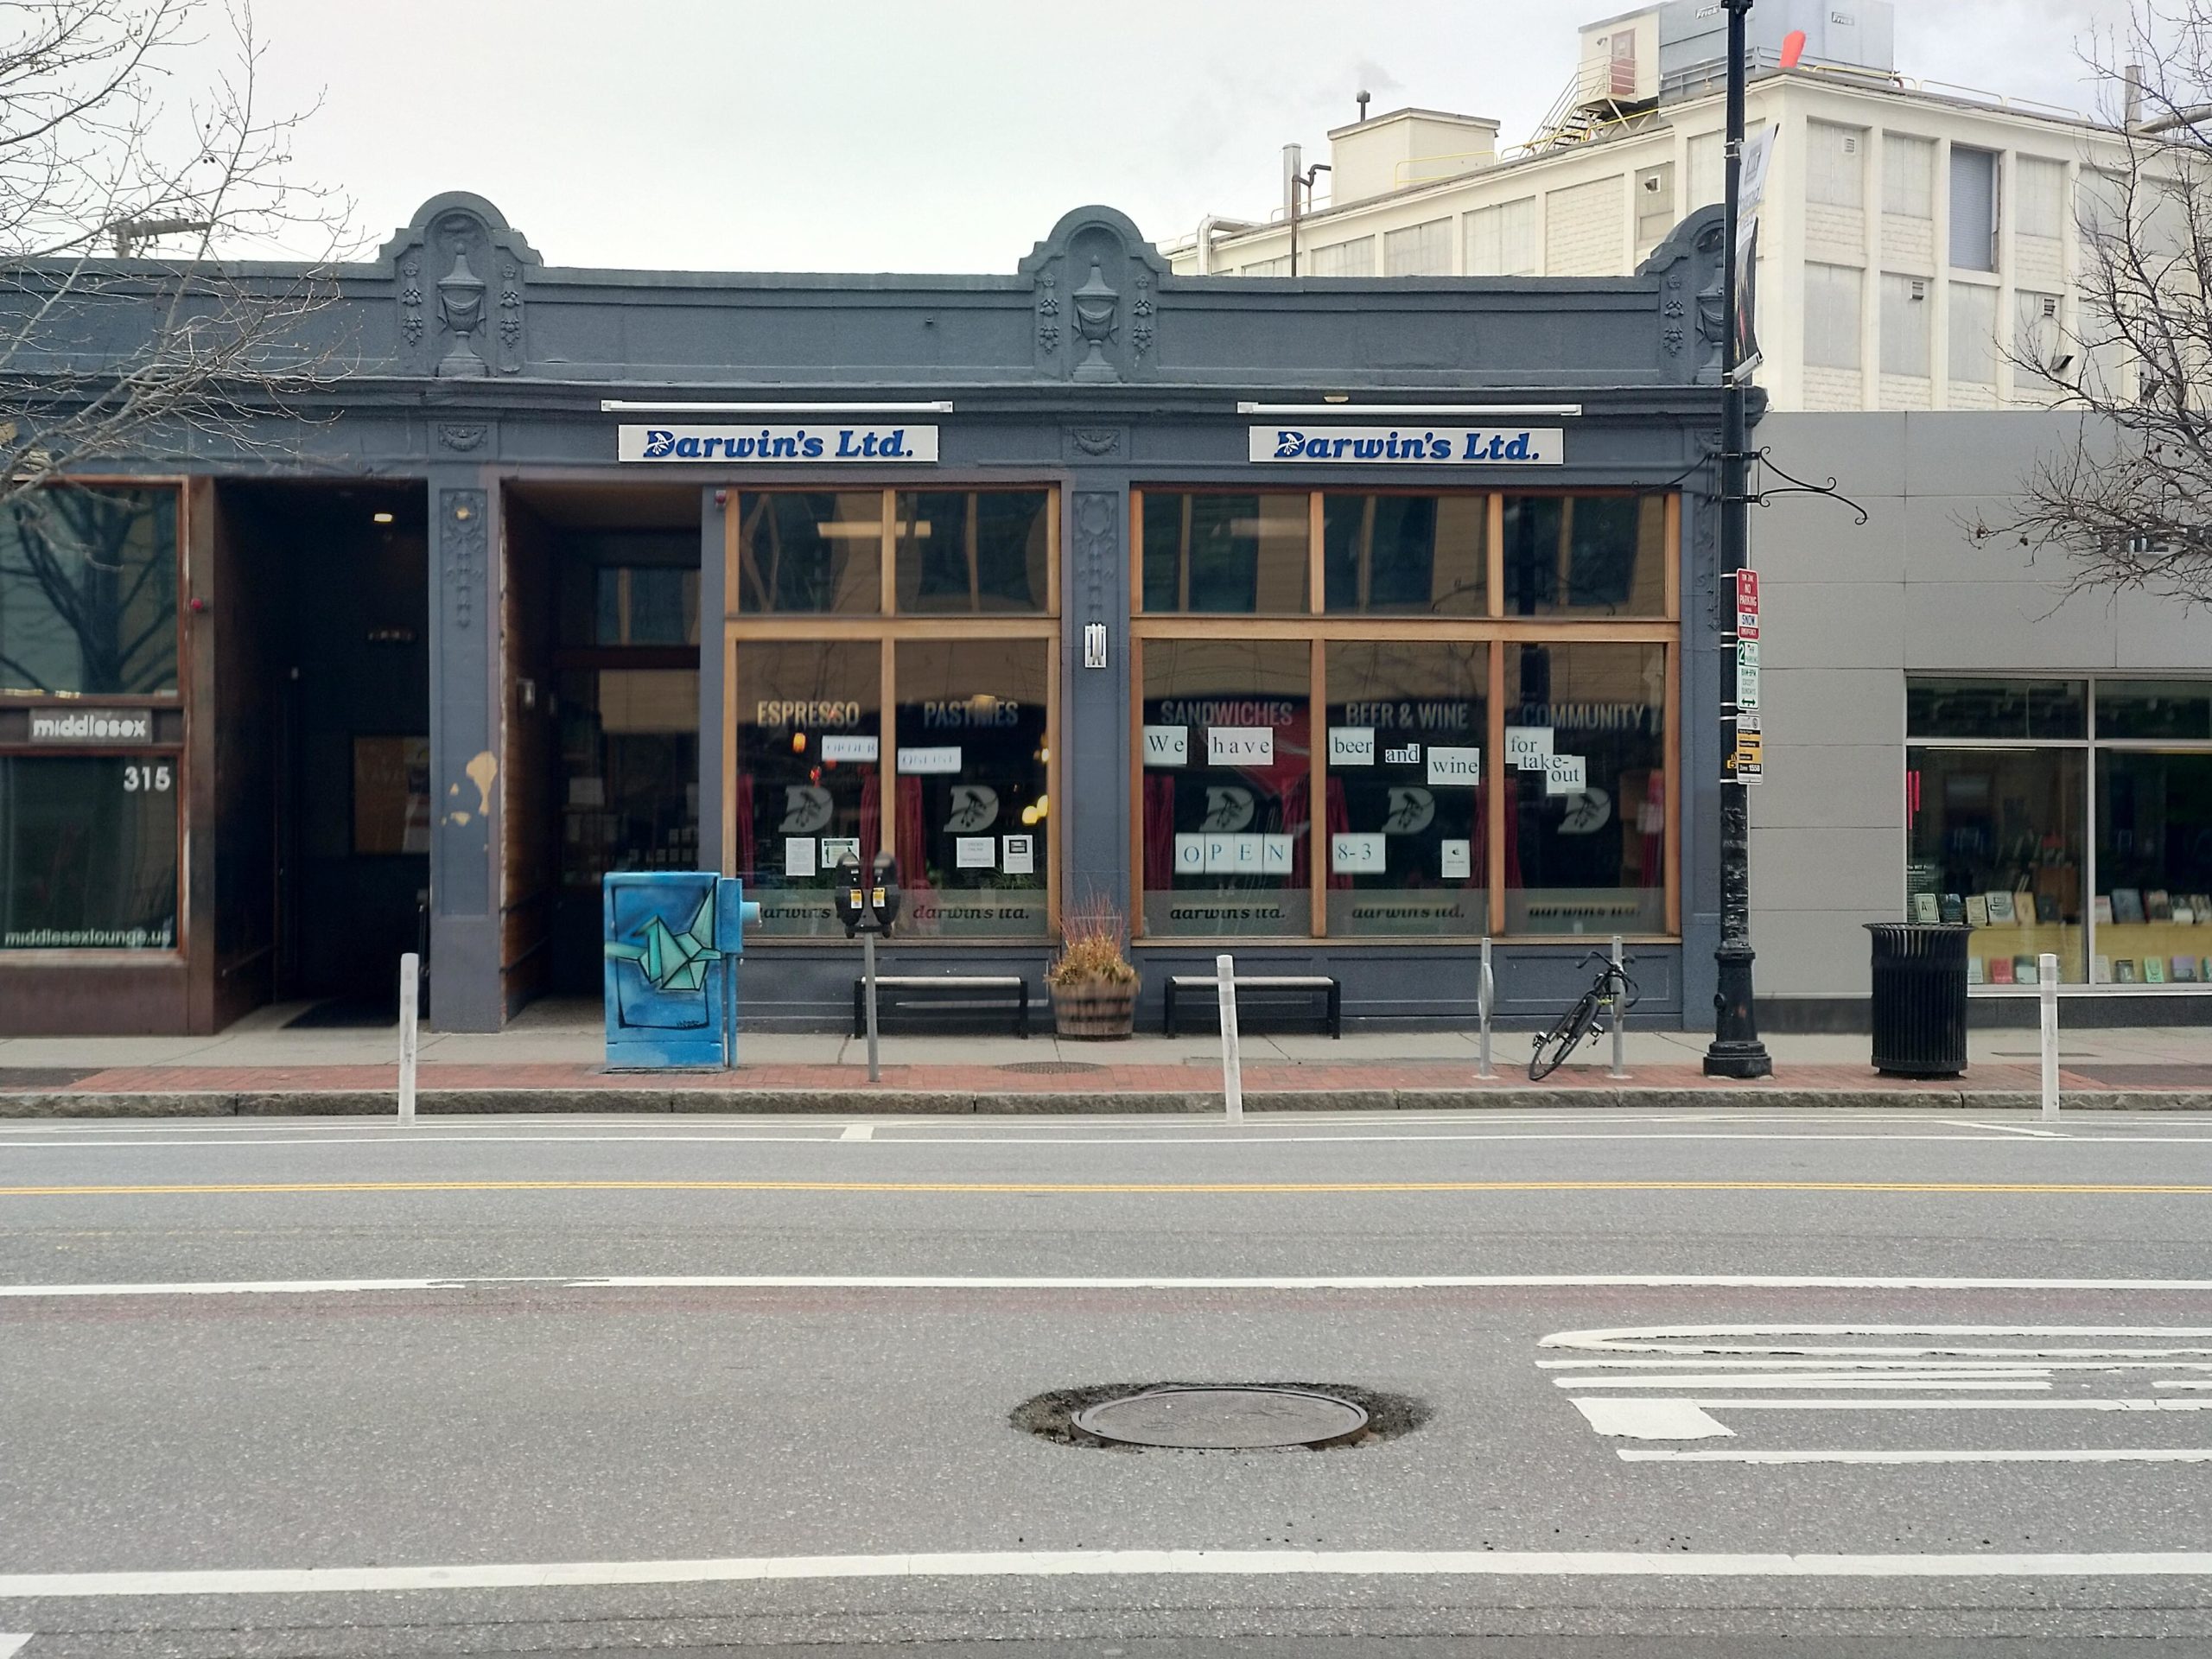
[411, 982]
[1485, 998]
[1233, 1074]
[2047, 994]
[1620, 1010]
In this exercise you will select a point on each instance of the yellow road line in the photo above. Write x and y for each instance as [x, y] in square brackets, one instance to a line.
[1119, 1188]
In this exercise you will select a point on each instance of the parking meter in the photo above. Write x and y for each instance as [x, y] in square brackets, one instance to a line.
[852, 900]
[885, 896]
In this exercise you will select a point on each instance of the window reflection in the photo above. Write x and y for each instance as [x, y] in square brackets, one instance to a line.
[803, 550]
[1405, 554]
[1585, 555]
[1231, 554]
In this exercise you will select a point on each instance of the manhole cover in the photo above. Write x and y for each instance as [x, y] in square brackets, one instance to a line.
[1212, 1420]
[1051, 1068]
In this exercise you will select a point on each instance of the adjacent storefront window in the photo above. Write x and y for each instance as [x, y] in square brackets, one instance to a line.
[1231, 554]
[973, 552]
[88, 851]
[958, 591]
[88, 592]
[2067, 817]
[1394, 748]
[1226, 742]
[809, 782]
[1586, 555]
[1407, 789]
[1584, 784]
[973, 791]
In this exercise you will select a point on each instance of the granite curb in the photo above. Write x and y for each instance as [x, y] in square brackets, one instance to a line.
[857, 1102]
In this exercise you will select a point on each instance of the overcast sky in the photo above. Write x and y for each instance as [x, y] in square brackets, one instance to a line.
[864, 135]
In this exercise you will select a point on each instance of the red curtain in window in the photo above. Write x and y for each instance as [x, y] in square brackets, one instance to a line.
[1159, 833]
[741, 805]
[913, 868]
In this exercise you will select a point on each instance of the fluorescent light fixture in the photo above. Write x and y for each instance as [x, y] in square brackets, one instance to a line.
[380, 517]
[664, 406]
[1425, 412]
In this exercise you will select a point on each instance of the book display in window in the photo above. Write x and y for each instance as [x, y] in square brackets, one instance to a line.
[1923, 907]
[1976, 909]
[2101, 970]
[1953, 909]
[2184, 970]
[2001, 914]
[1975, 973]
[2001, 970]
[2123, 971]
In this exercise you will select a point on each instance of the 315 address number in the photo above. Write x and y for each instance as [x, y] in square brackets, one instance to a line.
[154, 775]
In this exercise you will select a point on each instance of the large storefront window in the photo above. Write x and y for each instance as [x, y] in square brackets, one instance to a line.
[88, 591]
[958, 643]
[972, 552]
[1229, 554]
[809, 782]
[1996, 841]
[1585, 783]
[1226, 744]
[630, 753]
[1405, 554]
[972, 802]
[88, 852]
[799, 550]
[1407, 792]
[1586, 555]
[2067, 816]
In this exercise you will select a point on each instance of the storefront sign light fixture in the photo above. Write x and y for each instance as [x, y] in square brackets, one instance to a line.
[669, 406]
[1488, 411]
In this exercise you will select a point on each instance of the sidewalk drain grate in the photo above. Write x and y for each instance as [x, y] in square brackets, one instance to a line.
[1051, 1068]
[1133, 1417]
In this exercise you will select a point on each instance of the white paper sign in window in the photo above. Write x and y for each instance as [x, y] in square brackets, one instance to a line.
[975, 852]
[1166, 746]
[1190, 854]
[1566, 774]
[1526, 746]
[1351, 745]
[1276, 854]
[799, 857]
[1359, 853]
[1221, 855]
[836, 849]
[845, 747]
[1456, 859]
[1454, 768]
[1244, 857]
[1240, 746]
[1018, 854]
[917, 763]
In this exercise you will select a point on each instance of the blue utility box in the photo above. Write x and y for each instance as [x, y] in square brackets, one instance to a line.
[672, 939]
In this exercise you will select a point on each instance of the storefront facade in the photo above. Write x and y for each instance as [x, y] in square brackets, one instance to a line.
[1340, 623]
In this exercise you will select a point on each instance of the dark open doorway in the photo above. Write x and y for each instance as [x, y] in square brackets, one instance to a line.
[322, 696]
[602, 646]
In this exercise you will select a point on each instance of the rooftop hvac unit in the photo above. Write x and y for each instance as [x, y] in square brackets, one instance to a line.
[1848, 34]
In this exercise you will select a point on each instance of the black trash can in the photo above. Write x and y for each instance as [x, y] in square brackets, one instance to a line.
[1920, 998]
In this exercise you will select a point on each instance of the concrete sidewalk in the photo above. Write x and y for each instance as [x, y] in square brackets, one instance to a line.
[551, 1059]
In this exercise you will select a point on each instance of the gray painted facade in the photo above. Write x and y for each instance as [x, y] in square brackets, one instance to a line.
[469, 366]
[1848, 613]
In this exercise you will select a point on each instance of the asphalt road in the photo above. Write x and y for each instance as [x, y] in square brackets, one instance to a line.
[1864, 1384]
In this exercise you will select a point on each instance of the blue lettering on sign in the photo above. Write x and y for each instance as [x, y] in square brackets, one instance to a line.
[660, 443]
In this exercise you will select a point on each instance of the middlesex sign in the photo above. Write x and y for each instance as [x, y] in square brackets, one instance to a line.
[1441, 446]
[776, 444]
[91, 725]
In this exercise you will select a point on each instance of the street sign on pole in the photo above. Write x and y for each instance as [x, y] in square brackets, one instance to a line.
[1747, 675]
[1747, 604]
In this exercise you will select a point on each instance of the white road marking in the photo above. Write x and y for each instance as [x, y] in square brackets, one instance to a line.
[1111, 1563]
[1910, 1380]
[1702, 1339]
[1647, 1368]
[2012, 1129]
[13, 1643]
[2085, 1455]
[1341, 1282]
[858, 1132]
[1947, 1404]
[1652, 1419]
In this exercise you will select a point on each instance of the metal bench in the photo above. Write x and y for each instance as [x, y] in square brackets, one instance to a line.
[1262, 988]
[960, 992]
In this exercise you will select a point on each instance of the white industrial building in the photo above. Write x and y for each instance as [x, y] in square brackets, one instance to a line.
[1908, 226]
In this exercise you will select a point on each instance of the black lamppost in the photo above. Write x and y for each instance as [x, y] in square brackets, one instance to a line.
[1736, 1051]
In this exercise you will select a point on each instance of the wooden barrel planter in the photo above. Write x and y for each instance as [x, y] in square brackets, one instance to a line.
[1096, 1009]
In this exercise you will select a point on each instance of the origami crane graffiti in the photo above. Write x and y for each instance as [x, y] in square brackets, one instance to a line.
[669, 960]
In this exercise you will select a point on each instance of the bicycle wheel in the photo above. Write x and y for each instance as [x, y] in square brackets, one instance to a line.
[1556, 1045]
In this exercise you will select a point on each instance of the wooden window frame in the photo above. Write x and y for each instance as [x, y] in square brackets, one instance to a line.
[888, 629]
[1493, 629]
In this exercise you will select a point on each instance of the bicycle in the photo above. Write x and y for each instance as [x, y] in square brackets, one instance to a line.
[1580, 1022]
